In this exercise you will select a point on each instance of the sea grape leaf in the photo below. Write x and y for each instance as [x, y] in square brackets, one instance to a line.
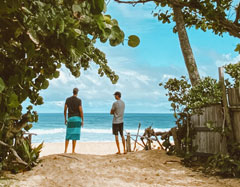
[133, 41]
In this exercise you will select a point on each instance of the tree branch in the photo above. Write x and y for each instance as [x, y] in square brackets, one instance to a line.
[237, 14]
[232, 28]
[19, 160]
[172, 2]
[134, 2]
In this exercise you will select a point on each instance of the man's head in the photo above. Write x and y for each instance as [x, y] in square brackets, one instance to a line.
[117, 95]
[75, 91]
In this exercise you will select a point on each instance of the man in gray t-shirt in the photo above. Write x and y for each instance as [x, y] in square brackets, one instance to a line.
[117, 125]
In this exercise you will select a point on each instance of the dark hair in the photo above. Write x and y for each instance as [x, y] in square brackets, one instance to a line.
[75, 91]
[118, 94]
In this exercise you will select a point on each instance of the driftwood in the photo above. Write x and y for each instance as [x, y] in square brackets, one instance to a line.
[128, 142]
[29, 136]
[139, 126]
[150, 135]
[136, 141]
[147, 135]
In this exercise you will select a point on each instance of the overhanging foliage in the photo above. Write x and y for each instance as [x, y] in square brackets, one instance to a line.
[37, 37]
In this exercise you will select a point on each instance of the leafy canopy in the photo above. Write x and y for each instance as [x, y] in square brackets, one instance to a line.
[37, 37]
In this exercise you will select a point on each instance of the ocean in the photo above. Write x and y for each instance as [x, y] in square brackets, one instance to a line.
[97, 126]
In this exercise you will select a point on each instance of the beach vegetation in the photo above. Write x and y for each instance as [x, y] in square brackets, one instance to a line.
[187, 100]
[37, 38]
[234, 71]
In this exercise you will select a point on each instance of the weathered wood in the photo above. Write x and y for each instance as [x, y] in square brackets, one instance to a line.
[158, 141]
[139, 126]
[209, 142]
[159, 133]
[234, 97]
[137, 142]
[128, 144]
[224, 101]
[29, 136]
[234, 102]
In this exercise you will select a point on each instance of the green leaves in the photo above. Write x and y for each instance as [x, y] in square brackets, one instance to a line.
[13, 101]
[76, 8]
[185, 98]
[97, 6]
[237, 49]
[36, 38]
[133, 41]
[45, 84]
[2, 85]
[234, 71]
[116, 36]
[33, 36]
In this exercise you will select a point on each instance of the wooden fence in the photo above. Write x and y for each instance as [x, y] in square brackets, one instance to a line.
[234, 105]
[206, 140]
[211, 142]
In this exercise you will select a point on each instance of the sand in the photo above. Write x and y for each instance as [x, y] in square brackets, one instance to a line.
[95, 164]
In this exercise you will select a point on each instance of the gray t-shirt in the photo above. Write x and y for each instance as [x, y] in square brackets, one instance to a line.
[118, 107]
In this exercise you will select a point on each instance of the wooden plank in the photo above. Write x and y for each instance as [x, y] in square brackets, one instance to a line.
[209, 141]
[234, 96]
[202, 129]
[236, 123]
[128, 142]
[135, 143]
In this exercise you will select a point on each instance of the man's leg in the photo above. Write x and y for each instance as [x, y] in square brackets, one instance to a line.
[66, 145]
[117, 142]
[123, 142]
[73, 145]
[123, 139]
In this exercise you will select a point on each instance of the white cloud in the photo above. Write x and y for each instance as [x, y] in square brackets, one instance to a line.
[227, 59]
[138, 84]
[128, 11]
[165, 77]
[57, 103]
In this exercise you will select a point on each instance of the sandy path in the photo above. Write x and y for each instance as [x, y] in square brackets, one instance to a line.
[143, 168]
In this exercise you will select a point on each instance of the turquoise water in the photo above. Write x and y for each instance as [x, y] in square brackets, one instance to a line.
[97, 127]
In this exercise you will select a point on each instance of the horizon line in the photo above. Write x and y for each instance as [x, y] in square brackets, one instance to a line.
[108, 113]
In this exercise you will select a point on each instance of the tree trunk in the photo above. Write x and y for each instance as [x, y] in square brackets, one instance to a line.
[185, 46]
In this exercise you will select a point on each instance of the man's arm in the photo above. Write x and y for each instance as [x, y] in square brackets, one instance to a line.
[65, 113]
[81, 114]
[113, 109]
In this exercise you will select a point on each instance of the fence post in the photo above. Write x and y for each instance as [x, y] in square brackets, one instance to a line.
[128, 142]
[224, 101]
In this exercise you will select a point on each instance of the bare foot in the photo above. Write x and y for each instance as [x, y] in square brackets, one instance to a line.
[118, 153]
[125, 152]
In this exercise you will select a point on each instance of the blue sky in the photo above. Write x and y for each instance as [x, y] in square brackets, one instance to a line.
[141, 69]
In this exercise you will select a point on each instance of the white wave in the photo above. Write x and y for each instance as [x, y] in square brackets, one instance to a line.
[96, 131]
[47, 131]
